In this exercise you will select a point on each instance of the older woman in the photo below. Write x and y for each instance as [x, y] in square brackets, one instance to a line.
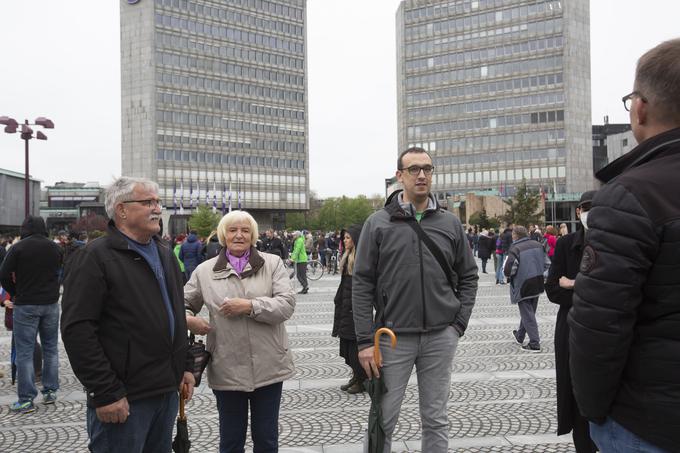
[248, 296]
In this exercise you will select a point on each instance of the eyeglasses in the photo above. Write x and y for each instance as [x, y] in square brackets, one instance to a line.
[148, 203]
[414, 170]
[628, 100]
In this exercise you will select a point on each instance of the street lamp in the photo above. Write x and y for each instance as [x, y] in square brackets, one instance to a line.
[11, 126]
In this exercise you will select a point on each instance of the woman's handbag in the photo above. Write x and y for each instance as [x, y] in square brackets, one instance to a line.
[198, 358]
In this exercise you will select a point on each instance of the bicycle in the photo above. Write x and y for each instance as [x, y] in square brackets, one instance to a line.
[314, 269]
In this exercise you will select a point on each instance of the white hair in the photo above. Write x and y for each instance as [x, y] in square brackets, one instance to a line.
[121, 190]
[232, 218]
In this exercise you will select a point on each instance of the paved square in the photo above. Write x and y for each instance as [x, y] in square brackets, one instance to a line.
[501, 399]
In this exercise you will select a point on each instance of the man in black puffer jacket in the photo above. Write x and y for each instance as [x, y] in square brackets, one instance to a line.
[625, 320]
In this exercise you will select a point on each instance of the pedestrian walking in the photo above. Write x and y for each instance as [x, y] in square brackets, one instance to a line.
[343, 319]
[299, 257]
[30, 274]
[123, 325]
[190, 253]
[502, 246]
[559, 287]
[524, 268]
[407, 255]
[249, 297]
[624, 336]
[487, 246]
[212, 246]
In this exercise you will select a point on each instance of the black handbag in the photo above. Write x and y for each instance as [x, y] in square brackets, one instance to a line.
[198, 358]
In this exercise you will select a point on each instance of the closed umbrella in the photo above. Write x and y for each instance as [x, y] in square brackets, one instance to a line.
[181, 444]
[376, 389]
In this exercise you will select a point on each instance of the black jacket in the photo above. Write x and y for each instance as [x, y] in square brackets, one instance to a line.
[212, 248]
[565, 263]
[487, 246]
[506, 240]
[625, 320]
[343, 319]
[35, 260]
[275, 247]
[114, 322]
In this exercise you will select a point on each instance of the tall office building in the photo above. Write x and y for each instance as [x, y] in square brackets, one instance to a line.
[214, 103]
[497, 91]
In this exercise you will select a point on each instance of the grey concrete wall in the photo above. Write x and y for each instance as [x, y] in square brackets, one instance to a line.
[12, 200]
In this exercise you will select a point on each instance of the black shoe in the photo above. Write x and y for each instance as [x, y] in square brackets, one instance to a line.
[484, 272]
[514, 335]
[357, 387]
[531, 348]
[304, 291]
[350, 383]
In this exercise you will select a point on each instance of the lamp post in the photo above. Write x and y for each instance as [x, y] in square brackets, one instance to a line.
[11, 126]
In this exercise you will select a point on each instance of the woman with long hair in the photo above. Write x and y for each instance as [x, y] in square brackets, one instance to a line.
[343, 322]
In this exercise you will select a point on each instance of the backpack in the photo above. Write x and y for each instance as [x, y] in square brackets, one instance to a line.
[546, 245]
[499, 245]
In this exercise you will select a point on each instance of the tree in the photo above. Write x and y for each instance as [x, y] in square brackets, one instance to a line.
[524, 209]
[295, 221]
[204, 221]
[484, 221]
[334, 214]
[89, 222]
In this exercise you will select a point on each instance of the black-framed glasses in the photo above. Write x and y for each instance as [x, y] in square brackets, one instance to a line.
[414, 170]
[628, 100]
[148, 203]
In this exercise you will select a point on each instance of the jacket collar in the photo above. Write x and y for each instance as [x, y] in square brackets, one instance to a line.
[118, 240]
[641, 154]
[396, 208]
[222, 265]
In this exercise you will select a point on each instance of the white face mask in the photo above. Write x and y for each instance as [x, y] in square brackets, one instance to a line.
[584, 219]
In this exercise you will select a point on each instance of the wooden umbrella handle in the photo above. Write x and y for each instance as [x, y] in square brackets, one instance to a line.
[377, 356]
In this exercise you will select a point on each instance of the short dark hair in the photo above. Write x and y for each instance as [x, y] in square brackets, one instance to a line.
[657, 77]
[520, 231]
[413, 149]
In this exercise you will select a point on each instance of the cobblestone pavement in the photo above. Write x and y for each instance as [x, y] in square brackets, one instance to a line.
[501, 399]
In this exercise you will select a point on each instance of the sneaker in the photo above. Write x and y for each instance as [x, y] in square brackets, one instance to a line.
[22, 408]
[514, 335]
[531, 348]
[49, 397]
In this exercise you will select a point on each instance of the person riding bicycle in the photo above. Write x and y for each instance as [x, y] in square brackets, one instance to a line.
[331, 251]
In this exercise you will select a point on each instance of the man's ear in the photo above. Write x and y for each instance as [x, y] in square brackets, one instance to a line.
[641, 112]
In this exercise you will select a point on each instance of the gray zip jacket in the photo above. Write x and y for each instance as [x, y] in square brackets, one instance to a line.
[395, 273]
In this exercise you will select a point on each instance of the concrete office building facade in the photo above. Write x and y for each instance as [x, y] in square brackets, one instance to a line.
[214, 103]
[497, 91]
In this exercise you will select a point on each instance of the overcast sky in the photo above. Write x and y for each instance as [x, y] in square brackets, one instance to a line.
[61, 59]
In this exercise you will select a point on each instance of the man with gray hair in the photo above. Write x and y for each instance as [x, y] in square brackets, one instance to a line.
[124, 328]
[524, 267]
[624, 335]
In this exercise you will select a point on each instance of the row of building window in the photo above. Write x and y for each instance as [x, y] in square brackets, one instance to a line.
[495, 70]
[176, 199]
[500, 157]
[206, 178]
[483, 20]
[484, 89]
[491, 142]
[453, 7]
[228, 105]
[490, 37]
[229, 33]
[217, 121]
[230, 70]
[554, 99]
[231, 16]
[232, 142]
[491, 176]
[227, 87]
[485, 55]
[180, 43]
[415, 132]
[228, 159]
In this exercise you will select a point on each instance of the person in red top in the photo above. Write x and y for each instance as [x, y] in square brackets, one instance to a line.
[550, 236]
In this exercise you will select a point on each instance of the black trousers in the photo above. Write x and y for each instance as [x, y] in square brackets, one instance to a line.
[301, 270]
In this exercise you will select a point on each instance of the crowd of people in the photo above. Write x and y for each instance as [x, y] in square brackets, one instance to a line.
[130, 297]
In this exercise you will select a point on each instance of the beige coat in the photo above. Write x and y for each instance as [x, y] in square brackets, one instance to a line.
[248, 351]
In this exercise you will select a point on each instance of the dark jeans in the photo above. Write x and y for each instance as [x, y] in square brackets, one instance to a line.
[484, 260]
[148, 428]
[301, 270]
[232, 407]
[611, 437]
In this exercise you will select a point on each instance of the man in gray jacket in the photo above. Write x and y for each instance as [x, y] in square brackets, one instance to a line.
[396, 273]
[524, 267]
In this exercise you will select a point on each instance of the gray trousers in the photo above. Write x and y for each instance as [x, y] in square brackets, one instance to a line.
[432, 353]
[527, 323]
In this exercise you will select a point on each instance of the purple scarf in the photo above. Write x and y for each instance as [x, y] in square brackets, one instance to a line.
[238, 262]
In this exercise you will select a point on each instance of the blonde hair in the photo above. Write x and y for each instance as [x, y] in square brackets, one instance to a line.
[235, 217]
[348, 260]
